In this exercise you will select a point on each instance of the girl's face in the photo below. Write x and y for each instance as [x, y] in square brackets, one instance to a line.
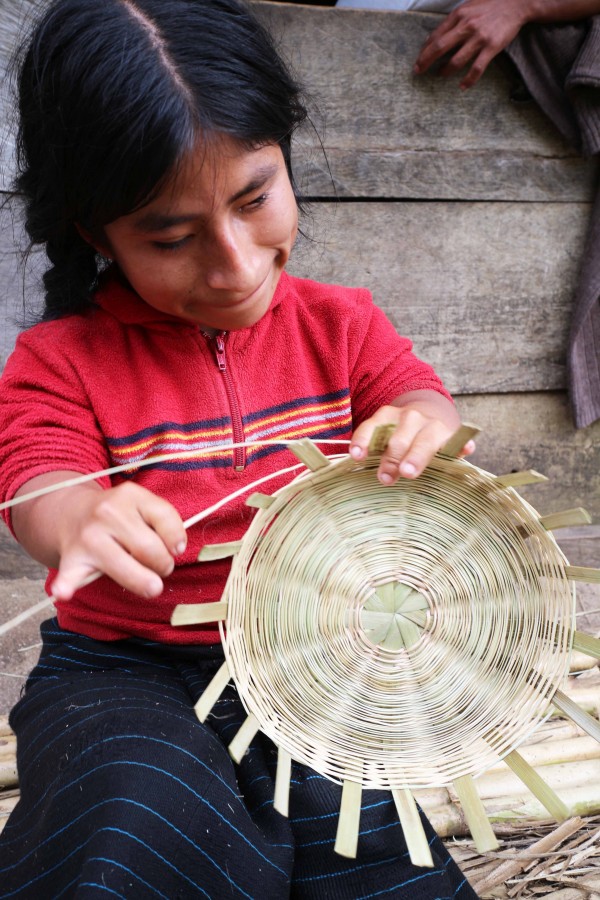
[211, 246]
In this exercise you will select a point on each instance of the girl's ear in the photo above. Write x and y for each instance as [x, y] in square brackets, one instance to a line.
[102, 249]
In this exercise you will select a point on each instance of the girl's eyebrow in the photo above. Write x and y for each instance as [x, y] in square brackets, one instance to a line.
[260, 178]
[151, 222]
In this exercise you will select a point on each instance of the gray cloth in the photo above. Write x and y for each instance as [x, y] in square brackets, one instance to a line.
[560, 66]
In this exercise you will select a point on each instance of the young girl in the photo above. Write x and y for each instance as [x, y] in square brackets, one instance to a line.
[154, 162]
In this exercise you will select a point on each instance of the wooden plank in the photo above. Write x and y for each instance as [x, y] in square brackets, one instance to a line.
[535, 431]
[15, 20]
[20, 277]
[14, 561]
[581, 545]
[391, 134]
[396, 173]
[483, 289]
[20, 647]
[388, 133]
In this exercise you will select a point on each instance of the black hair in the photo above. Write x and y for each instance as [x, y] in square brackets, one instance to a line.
[112, 94]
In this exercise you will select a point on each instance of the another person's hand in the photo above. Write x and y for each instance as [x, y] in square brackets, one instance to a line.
[425, 420]
[125, 532]
[471, 36]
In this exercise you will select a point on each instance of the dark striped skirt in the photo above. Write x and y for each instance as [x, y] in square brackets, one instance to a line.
[125, 794]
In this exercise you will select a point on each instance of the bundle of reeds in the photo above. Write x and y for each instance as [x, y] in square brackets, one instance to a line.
[9, 791]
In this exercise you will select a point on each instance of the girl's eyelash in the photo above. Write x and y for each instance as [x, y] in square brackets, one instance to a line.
[175, 245]
[171, 245]
[258, 201]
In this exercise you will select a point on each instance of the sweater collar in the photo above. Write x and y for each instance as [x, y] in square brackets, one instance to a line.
[115, 297]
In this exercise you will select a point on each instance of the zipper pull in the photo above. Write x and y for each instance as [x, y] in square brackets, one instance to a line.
[220, 352]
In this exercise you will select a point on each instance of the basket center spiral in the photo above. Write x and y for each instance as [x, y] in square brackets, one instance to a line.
[395, 616]
[403, 635]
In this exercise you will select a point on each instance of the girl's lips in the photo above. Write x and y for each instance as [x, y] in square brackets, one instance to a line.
[224, 307]
[251, 295]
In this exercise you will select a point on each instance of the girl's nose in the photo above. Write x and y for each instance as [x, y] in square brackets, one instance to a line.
[232, 261]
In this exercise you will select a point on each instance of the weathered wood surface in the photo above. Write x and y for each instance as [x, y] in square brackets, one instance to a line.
[483, 289]
[473, 284]
[388, 133]
[14, 18]
[534, 431]
[20, 279]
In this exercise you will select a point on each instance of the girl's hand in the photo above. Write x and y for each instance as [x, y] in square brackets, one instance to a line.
[425, 420]
[125, 532]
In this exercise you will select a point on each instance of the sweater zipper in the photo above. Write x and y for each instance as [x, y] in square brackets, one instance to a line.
[237, 425]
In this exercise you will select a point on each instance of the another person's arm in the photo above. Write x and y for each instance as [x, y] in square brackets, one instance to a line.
[478, 30]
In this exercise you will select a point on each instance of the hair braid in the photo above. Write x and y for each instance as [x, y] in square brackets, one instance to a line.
[73, 276]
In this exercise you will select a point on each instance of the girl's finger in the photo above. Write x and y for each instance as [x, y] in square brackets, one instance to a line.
[409, 457]
[70, 577]
[390, 467]
[110, 545]
[112, 560]
[423, 448]
[146, 526]
[165, 521]
[359, 444]
[410, 423]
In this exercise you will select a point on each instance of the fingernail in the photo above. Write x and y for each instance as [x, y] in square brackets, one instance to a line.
[180, 548]
[408, 470]
[356, 452]
[385, 478]
[154, 587]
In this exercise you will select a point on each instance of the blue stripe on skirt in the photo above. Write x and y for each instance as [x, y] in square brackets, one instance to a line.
[125, 794]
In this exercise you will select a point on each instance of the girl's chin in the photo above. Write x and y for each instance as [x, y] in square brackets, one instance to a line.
[233, 320]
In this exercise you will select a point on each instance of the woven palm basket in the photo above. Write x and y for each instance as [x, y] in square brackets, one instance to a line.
[395, 637]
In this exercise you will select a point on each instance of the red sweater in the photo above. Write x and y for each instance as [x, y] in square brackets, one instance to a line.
[126, 381]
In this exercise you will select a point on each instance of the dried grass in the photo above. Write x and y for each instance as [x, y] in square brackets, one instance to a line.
[568, 871]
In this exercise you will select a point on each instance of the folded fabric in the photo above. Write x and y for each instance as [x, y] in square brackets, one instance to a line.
[560, 67]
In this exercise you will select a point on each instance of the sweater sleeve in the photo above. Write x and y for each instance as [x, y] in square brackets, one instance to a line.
[46, 420]
[383, 365]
